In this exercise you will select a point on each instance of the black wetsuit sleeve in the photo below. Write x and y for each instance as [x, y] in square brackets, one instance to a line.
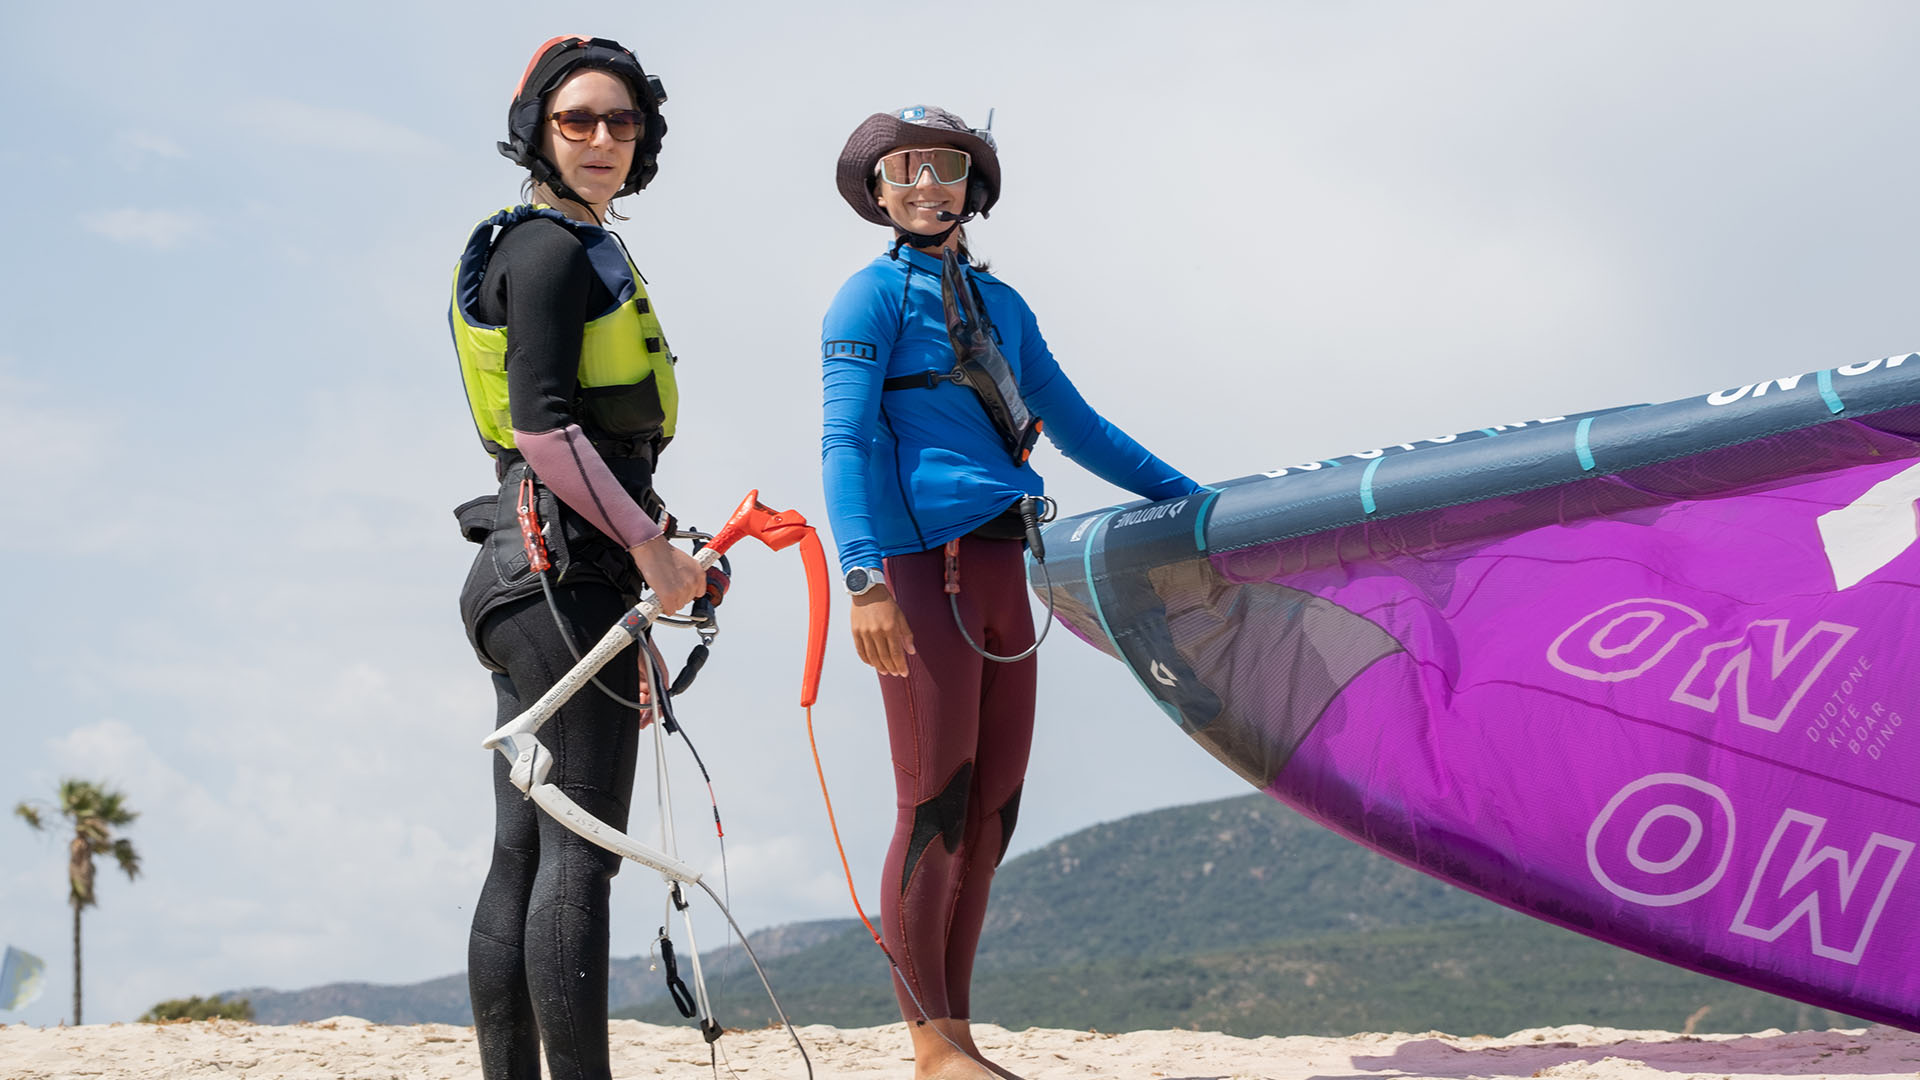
[540, 285]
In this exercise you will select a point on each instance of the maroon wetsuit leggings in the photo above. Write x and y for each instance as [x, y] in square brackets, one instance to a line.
[960, 727]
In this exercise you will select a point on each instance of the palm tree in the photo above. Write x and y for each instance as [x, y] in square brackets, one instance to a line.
[94, 811]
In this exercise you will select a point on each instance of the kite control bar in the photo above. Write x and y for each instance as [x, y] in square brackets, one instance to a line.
[531, 762]
[778, 529]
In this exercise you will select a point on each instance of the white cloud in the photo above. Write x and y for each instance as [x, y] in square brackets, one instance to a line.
[158, 229]
[66, 443]
[296, 123]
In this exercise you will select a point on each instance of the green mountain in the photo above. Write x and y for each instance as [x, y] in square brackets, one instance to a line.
[1242, 916]
[1238, 916]
[443, 1000]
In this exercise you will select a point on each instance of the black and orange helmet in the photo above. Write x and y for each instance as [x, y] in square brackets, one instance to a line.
[552, 63]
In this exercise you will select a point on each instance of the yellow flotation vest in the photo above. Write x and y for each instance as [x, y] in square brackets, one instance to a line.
[627, 399]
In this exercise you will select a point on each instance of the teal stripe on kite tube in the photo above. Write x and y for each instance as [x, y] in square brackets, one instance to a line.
[1834, 404]
[1580, 444]
[1093, 591]
[1200, 521]
[1366, 484]
[1093, 587]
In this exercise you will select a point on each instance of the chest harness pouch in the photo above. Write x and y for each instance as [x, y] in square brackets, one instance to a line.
[978, 362]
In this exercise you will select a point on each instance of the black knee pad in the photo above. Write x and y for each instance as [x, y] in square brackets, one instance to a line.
[1009, 814]
[944, 816]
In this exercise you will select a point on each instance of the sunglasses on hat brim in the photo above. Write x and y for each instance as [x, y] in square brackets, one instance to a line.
[902, 168]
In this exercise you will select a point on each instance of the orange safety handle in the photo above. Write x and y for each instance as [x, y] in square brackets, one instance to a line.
[780, 529]
[531, 537]
[819, 599]
[953, 567]
[775, 528]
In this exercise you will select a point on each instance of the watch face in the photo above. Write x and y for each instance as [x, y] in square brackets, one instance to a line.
[857, 580]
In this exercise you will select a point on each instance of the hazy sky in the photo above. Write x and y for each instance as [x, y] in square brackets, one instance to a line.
[1254, 234]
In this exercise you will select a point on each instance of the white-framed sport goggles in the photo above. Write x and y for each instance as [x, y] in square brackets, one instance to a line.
[902, 168]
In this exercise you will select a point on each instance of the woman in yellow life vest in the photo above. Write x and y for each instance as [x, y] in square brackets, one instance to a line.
[571, 387]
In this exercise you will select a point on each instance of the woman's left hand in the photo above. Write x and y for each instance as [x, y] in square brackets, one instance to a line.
[880, 632]
[674, 576]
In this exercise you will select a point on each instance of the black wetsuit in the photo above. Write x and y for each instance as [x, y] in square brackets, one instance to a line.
[537, 955]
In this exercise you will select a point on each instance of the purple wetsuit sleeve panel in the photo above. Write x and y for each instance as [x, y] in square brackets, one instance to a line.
[566, 462]
[1082, 434]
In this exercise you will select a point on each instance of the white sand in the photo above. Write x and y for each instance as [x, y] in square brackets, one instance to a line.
[351, 1048]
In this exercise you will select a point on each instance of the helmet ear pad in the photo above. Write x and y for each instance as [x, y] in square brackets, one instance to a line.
[976, 195]
[646, 155]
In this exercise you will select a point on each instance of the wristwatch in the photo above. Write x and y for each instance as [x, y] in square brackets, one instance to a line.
[862, 578]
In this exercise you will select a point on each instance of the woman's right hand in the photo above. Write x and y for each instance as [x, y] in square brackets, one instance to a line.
[674, 576]
[880, 632]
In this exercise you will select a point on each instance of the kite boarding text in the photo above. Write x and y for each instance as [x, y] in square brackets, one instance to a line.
[1405, 447]
[1792, 382]
[1668, 838]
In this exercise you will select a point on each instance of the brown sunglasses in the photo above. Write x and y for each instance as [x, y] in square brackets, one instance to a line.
[578, 125]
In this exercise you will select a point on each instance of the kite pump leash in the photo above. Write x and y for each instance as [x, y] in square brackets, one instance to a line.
[1032, 516]
[530, 761]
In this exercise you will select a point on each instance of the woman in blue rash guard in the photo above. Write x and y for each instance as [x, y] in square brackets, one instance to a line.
[924, 456]
[571, 388]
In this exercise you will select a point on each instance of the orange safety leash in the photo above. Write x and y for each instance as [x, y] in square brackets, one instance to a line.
[782, 529]
[838, 846]
[814, 558]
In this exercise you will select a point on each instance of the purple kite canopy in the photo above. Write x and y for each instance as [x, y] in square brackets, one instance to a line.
[1644, 673]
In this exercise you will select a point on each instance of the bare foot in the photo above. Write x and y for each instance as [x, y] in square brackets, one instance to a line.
[960, 1032]
[952, 1067]
[999, 1070]
[943, 1050]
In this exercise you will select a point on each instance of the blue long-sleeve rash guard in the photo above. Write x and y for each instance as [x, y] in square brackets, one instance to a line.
[908, 470]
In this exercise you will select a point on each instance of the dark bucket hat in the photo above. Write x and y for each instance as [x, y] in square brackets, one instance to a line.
[920, 125]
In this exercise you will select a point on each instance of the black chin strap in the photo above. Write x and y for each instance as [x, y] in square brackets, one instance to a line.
[925, 241]
[549, 176]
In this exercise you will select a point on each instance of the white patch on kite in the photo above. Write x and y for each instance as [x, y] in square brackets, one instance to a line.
[1874, 530]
